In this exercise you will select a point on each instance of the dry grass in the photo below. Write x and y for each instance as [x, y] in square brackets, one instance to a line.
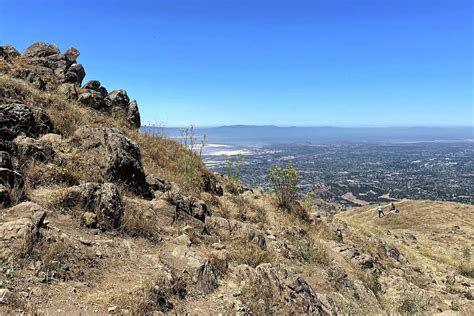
[153, 295]
[247, 252]
[138, 222]
[466, 268]
[22, 306]
[171, 160]
[307, 250]
[47, 174]
[63, 260]
[257, 297]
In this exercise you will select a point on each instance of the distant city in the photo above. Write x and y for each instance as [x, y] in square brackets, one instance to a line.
[374, 165]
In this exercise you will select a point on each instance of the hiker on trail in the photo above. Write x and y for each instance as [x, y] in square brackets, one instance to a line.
[394, 209]
[379, 208]
[339, 233]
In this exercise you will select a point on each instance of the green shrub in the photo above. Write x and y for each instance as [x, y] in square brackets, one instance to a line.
[284, 182]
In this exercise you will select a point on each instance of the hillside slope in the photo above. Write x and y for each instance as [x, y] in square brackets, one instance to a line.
[96, 218]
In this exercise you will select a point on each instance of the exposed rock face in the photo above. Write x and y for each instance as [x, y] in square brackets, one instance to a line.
[71, 54]
[21, 230]
[158, 184]
[212, 185]
[4, 196]
[92, 99]
[41, 49]
[192, 207]
[75, 74]
[5, 160]
[133, 115]
[16, 119]
[287, 290]
[236, 229]
[206, 277]
[46, 68]
[8, 52]
[95, 85]
[116, 156]
[102, 200]
[31, 148]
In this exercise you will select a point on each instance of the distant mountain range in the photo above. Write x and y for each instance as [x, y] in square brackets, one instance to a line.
[269, 134]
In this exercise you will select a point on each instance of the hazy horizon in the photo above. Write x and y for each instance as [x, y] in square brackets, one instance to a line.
[313, 126]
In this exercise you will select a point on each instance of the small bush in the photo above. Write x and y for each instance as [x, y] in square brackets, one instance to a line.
[247, 252]
[371, 281]
[257, 297]
[61, 259]
[284, 182]
[306, 250]
[153, 295]
[136, 223]
[409, 305]
[466, 269]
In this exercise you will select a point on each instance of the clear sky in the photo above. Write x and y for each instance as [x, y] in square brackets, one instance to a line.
[309, 63]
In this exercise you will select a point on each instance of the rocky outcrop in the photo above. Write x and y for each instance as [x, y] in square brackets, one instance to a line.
[5, 199]
[18, 119]
[133, 114]
[116, 156]
[36, 149]
[46, 61]
[189, 206]
[8, 52]
[158, 184]
[101, 204]
[46, 68]
[95, 96]
[230, 228]
[286, 290]
[20, 229]
[212, 185]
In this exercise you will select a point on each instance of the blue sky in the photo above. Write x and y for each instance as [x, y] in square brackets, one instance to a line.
[308, 63]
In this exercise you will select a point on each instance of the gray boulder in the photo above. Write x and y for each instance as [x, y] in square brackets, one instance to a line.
[102, 200]
[10, 178]
[92, 99]
[133, 114]
[5, 160]
[189, 206]
[5, 199]
[20, 229]
[158, 184]
[116, 156]
[41, 49]
[95, 85]
[31, 148]
[17, 119]
[118, 99]
[8, 52]
[75, 74]
[71, 54]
